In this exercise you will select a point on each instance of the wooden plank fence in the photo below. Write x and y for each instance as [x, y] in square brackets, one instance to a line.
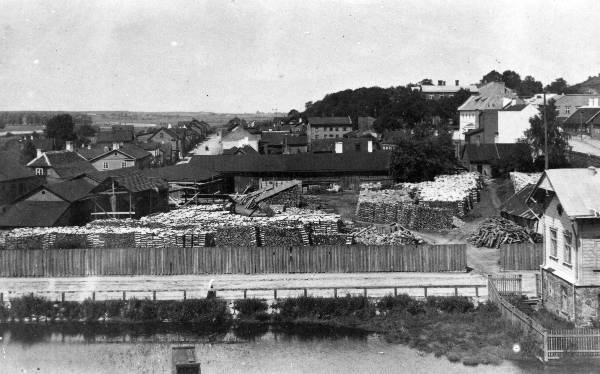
[555, 344]
[524, 256]
[231, 260]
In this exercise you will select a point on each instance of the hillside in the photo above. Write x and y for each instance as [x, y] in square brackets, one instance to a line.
[589, 86]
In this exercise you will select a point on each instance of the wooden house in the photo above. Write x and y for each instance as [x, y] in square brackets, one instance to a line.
[58, 166]
[117, 157]
[173, 140]
[571, 225]
[488, 159]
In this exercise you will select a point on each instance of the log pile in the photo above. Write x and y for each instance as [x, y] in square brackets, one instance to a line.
[423, 218]
[521, 180]
[495, 231]
[273, 236]
[330, 239]
[371, 236]
[241, 236]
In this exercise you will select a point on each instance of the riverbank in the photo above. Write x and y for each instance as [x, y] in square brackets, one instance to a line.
[446, 326]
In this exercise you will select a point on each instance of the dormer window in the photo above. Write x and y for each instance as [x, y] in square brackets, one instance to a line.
[39, 171]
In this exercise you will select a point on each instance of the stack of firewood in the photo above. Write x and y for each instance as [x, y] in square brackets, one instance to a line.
[495, 231]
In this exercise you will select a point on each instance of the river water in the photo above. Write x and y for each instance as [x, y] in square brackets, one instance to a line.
[33, 349]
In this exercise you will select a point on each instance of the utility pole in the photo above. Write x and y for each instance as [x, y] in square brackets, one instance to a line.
[545, 135]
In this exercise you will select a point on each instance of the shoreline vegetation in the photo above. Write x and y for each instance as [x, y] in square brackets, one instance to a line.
[453, 327]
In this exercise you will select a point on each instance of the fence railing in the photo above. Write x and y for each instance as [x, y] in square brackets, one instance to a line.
[555, 344]
[263, 292]
[523, 256]
[231, 260]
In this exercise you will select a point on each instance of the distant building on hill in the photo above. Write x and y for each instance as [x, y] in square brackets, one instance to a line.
[328, 127]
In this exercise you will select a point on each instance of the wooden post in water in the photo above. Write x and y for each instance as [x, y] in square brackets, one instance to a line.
[184, 360]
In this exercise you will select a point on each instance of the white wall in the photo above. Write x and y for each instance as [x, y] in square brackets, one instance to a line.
[513, 124]
[467, 117]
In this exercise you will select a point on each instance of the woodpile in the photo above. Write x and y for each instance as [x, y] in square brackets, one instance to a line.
[521, 180]
[273, 236]
[330, 239]
[241, 236]
[371, 236]
[495, 231]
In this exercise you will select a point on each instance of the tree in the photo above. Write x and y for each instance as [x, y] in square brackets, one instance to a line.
[423, 155]
[492, 76]
[511, 79]
[28, 152]
[426, 82]
[558, 140]
[529, 87]
[558, 86]
[60, 127]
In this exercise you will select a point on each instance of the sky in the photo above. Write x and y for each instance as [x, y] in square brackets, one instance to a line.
[247, 56]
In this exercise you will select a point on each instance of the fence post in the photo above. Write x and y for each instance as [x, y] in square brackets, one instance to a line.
[365, 292]
[476, 291]
[184, 294]
[275, 293]
[545, 348]
[335, 293]
[124, 295]
[93, 295]
[455, 291]
[395, 291]
[62, 297]
[425, 291]
[1, 298]
[305, 292]
[245, 293]
[520, 284]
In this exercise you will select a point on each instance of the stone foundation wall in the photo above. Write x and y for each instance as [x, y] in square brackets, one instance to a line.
[558, 298]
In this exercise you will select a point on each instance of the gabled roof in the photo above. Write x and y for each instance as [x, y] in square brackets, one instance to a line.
[91, 153]
[149, 146]
[576, 189]
[11, 168]
[33, 214]
[166, 130]
[45, 144]
[330, 121]
[494, 151]
[135, 151]
[72, 190]
[515, 108]
[239, 133]
[66, 164]
[517, 205]
[281, 138]
[131, 179]
[581, 116]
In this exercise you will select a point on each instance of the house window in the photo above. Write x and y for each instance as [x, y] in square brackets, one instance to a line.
[161, 135]
[568, 110]
[105, 165]
[206, 148]
[124, 164]
[39, 171]
[357, 147]
[568, 248]
[553, 244]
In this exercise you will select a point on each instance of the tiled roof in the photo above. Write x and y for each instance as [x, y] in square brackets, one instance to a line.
[280, 138]
[239, 133]
[11, 168]
[91, 153]
[45, 144]
[67, 164]
[576, 189]
[134, 151]
[245, 150]
[494, 151]
[33, 214]
[130, 178]
[516, 108]
[148, 146]
[72, 190]
[180, 173]
[330, 121]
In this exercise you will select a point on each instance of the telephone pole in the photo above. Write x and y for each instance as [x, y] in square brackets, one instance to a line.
[545, 135]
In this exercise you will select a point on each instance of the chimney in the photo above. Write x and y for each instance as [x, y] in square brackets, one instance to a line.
[38, 152]
[69, 146]
[441, 83]
[339, 147]
[592, 170]
[457, 82]
[369, 146]
[115, 146]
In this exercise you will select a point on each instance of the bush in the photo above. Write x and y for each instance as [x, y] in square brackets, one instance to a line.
[27, 306]
[251, 308]
[402, 302]
[453, 304]
[322, 308]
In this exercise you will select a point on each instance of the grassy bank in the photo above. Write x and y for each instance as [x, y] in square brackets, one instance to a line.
[445, 326]
[33, 308]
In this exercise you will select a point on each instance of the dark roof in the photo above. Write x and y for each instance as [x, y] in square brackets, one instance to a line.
[330, 121]
[494, 151]
[376, 162]
[581, 116]
[181, 173]
[91, 153]
[115, 135]
[515, 108]
[33, 214]
[134, 151]
[239, 150]
[67, 164]
[149, 146]
[171, 132]
[72, 190]
[474, 131]
[45, 144]
[516, 205]
[11, 168]
[131, 179]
